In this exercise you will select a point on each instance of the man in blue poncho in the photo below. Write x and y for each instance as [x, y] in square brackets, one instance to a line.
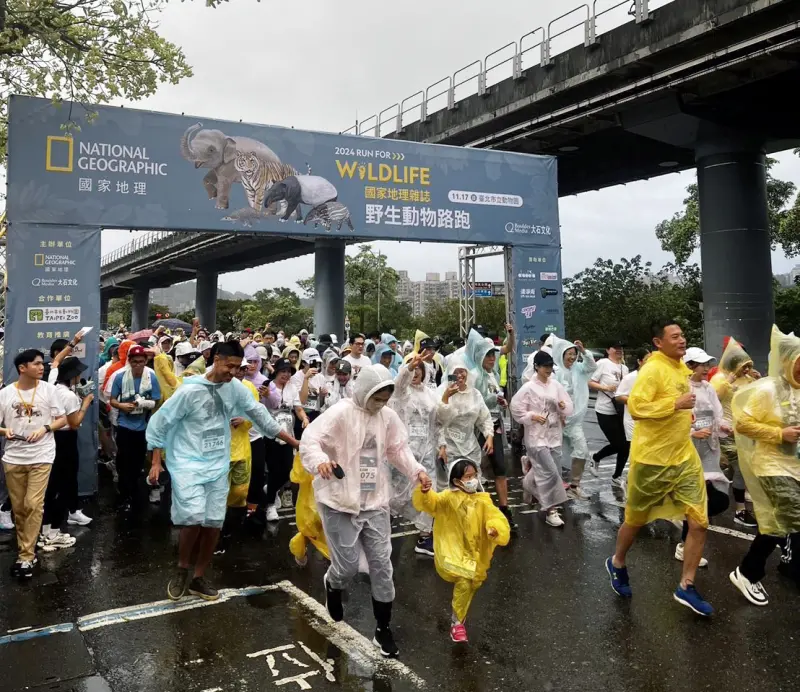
[194, 425]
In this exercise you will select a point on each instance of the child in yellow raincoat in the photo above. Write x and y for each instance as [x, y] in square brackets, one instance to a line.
[466, 530]
[309, 525]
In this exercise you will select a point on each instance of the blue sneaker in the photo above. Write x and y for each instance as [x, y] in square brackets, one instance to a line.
[692, 599]
[619, 579]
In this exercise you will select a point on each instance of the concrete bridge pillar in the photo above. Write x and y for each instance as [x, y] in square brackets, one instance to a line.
[205, 301]
[329, 287]
[141, 307]
[735, 244]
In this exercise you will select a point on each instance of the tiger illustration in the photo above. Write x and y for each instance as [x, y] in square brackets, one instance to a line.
[258, 176]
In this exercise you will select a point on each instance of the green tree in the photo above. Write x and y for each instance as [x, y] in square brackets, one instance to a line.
[680, 235]
[89, 51]
[787, 307]
[621, 300]
[120, 311]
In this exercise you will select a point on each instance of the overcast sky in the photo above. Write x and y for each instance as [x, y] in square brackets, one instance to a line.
[320, 64]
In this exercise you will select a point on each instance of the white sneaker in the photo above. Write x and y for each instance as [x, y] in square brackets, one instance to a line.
[575, 493]
[554, 518]
[78, 519]
[679, 556]
[155, 496]
[58, 541]
[752, 591]
[594, 467]
[272, 513]
[6, 522]
[617, 482]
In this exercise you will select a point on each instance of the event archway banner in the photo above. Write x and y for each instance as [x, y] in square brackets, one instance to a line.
[134, 169]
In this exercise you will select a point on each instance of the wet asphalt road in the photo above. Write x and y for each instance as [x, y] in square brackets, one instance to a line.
[546, 619]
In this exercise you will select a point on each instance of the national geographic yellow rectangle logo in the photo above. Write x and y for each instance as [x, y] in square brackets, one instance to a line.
[38, 260]
[55, 158]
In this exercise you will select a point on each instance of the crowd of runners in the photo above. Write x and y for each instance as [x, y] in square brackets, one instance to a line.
[236, 426]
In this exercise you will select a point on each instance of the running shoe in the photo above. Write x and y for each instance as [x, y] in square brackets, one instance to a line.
[176, 589]
[78, 519]
[6, 522]
[745, 518]
[424, 546]
[679, 556]
[287, 501]
[575, 493]
[272, 513]
[58, 541]
[458, 633]
[384, 640]
[25, 570]
[14, 571]
[333, 601]
[617, 482]
[691, 598]
[553, 518]
[511, 523]
[752, 591]
[619, 579]
[594, 466]
[202, 589]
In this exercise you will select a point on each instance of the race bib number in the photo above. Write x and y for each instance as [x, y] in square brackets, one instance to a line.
[311, 402]
[213, 440]
[456, 435]
[417, 431]
[703, 419]
[368, 467]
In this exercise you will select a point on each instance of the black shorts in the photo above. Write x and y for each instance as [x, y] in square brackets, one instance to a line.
[498, 458]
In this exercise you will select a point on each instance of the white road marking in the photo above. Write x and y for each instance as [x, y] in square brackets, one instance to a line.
[326, 665]
[277, 649]
[343, 636]
[195, 662]
[300, 680]
[19, 629]
[212, 689]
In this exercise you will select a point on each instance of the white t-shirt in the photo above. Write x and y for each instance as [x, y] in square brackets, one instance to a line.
[44, 406]
[607, 373]
[101, 377]
[357, 363]
[625, 388]
[69, 400]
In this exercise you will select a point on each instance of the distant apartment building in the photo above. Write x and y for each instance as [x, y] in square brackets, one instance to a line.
[421, 294]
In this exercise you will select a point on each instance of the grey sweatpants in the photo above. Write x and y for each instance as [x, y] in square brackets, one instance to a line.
[373, 530]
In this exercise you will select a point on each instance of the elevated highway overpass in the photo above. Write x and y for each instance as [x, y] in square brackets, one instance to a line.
[692, 83]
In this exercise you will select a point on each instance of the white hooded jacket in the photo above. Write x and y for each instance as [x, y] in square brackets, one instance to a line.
[347, 433]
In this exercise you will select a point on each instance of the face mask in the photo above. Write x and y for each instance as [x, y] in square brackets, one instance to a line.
[471, 486]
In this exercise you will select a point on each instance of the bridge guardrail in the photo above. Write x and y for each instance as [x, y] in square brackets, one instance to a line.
[373, 125]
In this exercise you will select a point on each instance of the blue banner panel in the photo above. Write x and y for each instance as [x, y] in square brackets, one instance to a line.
[53, 280]
[538, 298]
[136, 169]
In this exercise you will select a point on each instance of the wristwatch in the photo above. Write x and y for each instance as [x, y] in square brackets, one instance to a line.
[48, 428]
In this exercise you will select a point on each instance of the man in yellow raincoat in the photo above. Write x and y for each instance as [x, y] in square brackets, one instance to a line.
[767, 419]
[666, 478]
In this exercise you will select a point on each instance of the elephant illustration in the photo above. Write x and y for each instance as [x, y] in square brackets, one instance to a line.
[215, 150]
[300, 189]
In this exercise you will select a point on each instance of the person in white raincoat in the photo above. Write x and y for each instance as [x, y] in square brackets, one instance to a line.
[358, 437]
[460, 411]
[574, 376]
[708, 426]
[416, 405]
[481, 356]
[194, 424]
[542, 406]
[546, 340]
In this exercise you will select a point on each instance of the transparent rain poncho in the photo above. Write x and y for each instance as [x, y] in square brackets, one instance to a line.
[707, 413]
[365, 445]
[461, 416]
[575, 380]
[487, 383]
[770, 465]
[462, 546]
[416, 405]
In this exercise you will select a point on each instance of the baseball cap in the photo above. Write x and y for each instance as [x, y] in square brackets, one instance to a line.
[427, 343]
[184, 348]
[244, 363]
[311, 355]
[344, 367]
[136, 351]
[543, 358]
[304, 332]
[697, 355]
[204, 345]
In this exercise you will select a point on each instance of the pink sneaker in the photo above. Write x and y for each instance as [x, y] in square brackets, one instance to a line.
[458, 633]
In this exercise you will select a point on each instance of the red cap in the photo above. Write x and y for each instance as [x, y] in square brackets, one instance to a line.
[136, 351]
